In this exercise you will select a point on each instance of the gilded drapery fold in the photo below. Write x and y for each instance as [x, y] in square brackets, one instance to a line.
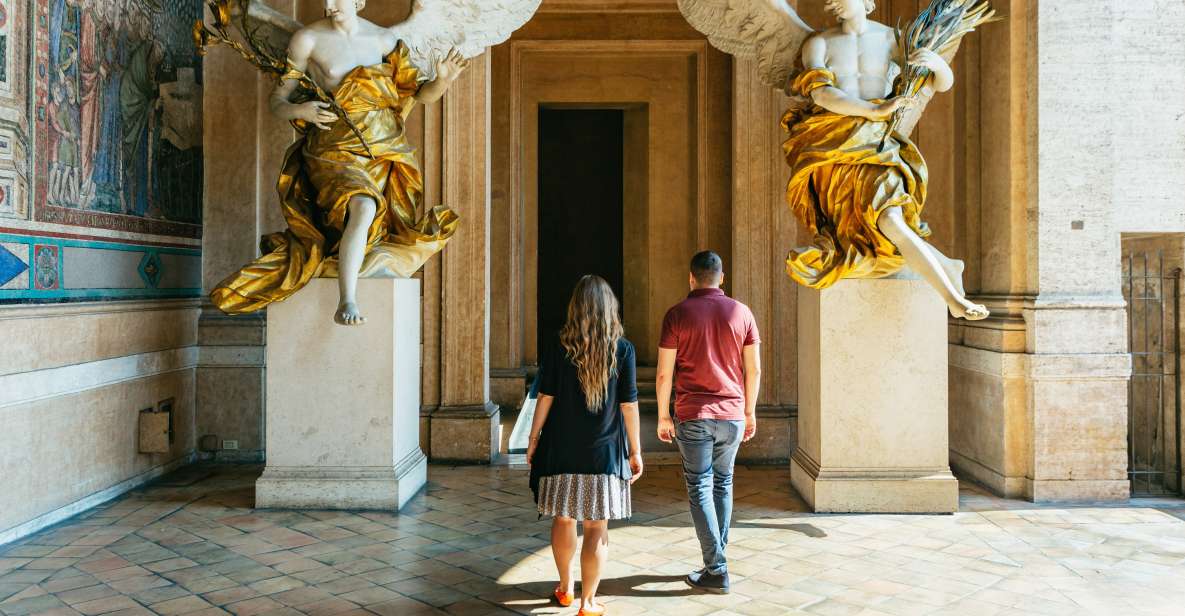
[323, 170]
[840, 183]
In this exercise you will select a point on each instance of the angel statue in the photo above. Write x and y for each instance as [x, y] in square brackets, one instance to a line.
[350, 186]
[857, 182]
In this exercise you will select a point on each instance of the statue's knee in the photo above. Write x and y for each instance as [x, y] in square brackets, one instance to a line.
[361, 207]
[892, 223]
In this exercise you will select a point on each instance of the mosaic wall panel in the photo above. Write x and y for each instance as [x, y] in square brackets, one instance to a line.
[53, 269]
[15, 42]
[118, 116]
[7, 49]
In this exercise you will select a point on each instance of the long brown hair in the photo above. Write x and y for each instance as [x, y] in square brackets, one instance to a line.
[590, 336]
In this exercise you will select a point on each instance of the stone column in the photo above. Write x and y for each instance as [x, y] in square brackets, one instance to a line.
[762, 231]
[1039, 391]
[1078, 365]
[465, 426]
[873, 407]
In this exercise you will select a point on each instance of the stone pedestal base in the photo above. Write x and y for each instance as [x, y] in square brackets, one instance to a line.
[467, 435]
[872, 417]
[343, 403]
[775, 437]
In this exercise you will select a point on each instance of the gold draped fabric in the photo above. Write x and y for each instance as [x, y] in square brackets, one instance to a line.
[840, 184]
[323, 170]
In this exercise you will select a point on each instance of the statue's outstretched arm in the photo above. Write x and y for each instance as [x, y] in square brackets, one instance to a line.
[447, 71]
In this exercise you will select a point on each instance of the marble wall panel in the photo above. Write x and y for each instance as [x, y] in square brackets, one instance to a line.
[65, 450]
[43, 337]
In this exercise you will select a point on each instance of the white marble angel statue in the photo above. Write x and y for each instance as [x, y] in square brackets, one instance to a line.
[857, 182]
[351, 186]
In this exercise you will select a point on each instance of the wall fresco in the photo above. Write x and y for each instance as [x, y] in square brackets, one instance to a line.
[119, 120]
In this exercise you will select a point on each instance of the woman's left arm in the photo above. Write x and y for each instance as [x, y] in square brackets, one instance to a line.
[629, 412]
[542, 408]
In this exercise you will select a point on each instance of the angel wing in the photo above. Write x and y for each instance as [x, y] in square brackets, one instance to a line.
[436, 26]
[768, 31]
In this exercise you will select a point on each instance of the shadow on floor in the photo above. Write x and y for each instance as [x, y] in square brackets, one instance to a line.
[808, 530]
[628, 586]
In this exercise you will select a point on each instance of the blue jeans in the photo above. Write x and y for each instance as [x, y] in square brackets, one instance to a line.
[709, 449]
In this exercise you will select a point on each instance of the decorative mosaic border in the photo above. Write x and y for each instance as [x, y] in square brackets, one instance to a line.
[41, 269]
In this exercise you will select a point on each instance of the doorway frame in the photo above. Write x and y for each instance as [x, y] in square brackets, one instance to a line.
[524, 102]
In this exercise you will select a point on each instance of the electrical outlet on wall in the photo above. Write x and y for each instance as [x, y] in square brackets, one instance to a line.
[230, 444]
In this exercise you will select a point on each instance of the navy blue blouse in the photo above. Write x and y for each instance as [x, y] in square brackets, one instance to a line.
[574, 439]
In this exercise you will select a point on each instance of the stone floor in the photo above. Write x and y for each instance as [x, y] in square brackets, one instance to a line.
[472, 545]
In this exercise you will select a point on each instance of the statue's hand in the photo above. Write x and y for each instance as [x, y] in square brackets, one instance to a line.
[316, 113]
[451, 66]
[885, 110]
[930, 60]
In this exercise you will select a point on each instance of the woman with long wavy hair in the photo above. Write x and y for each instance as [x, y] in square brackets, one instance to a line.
[585, 449]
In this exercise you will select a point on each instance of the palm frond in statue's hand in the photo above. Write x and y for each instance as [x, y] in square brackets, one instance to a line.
[263, 55]
[939, 29]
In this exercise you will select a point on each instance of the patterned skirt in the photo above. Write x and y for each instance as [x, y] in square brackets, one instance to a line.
[585, 497]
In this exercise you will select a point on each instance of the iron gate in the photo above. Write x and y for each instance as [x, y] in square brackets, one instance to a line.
[1154, 400]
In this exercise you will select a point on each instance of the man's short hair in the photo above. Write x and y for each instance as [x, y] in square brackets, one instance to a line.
[707, 267]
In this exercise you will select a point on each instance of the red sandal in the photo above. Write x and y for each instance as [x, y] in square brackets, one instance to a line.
[565, 599]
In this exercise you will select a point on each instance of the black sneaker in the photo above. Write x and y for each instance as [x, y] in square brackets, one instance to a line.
[714, 583]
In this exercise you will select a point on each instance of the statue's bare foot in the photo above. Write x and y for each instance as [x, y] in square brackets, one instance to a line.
[954, 270]
[963, 309]
[347, 314]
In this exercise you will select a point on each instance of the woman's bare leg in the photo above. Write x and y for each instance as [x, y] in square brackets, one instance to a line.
[934, 267]
[350, 254]
[563, 548]
[593, 555]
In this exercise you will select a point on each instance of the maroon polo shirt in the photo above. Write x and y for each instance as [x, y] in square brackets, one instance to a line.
[709, 332]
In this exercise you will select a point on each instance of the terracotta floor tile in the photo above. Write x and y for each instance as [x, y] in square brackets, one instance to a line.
[33, 605]
[233, 594]
[250, 607]
[68, 583]
[327, 607]
[180, 605]
[132, 585]
[88, 593]
[105, 605]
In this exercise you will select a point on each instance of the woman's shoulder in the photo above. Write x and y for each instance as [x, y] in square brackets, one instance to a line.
[624, 346]
[552, 349]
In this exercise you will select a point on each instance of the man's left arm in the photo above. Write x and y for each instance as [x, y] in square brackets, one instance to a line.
[752, 355]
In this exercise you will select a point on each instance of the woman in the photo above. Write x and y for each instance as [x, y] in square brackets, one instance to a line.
[581, 468]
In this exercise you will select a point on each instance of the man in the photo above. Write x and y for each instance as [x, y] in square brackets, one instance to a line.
[710, 346]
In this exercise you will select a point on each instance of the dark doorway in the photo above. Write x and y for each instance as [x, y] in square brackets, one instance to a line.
[580, 206]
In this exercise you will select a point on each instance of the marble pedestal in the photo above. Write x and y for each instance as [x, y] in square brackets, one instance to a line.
[343, 403]
[872, 417]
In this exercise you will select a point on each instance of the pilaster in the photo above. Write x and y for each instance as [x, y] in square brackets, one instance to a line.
[464, 427]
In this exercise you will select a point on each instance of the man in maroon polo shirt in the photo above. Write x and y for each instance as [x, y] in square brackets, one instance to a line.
[710, 346]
